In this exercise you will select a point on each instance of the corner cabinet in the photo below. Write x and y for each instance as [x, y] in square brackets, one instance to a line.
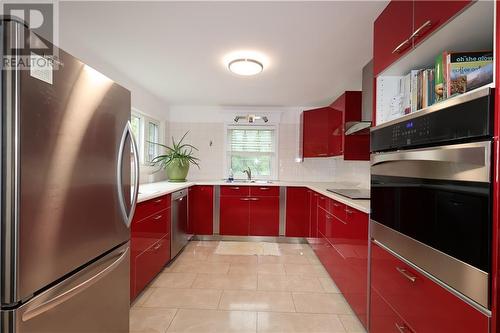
[323, 130]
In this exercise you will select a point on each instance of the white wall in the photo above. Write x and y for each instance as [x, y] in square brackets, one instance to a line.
[206, 132]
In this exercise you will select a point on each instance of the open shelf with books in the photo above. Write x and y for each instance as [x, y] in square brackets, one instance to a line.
[458, 58]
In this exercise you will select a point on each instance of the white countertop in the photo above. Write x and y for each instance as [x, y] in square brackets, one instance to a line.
[153, 190]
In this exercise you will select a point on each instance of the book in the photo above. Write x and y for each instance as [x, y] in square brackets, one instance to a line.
[461, 64]
[439, 78]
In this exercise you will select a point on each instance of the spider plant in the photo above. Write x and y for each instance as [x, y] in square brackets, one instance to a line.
[176, 159]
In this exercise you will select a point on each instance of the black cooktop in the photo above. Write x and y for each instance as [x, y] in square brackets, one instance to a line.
[351, 193]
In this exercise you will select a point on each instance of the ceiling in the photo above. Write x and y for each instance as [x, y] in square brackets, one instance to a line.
[175, 50]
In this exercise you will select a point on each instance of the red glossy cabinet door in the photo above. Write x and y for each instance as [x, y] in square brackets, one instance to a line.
[335, 132]
[423, 304]
[430, 15]
[383, 319]
[313, 220]
[391, 29]
[234, 215]
[315, 132]
[264, 216]
[297, 212]
[201, 207]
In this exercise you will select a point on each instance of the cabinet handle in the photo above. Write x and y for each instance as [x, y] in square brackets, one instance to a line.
[158, 217]
[264, 188]
[157, 246]
[348, 211]
[244, 199]
[234, 188]
[336, 204]
[322, 198]
[407, 275]
[254, 199]
[158, 201]
[401, 328]
[323, 154]
[400, 46]
[417, 32]
[328, 217]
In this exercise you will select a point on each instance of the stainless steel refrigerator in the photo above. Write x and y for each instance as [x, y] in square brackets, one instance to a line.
[66, 194]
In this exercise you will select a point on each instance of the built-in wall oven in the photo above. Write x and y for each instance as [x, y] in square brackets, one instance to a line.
[431, 192]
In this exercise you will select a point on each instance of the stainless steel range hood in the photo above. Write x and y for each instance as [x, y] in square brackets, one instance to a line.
[363, 126]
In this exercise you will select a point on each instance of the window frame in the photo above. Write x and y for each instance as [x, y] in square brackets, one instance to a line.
[274, 156]
[141, 141]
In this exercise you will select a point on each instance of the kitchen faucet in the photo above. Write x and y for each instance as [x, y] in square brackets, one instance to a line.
[248, 171]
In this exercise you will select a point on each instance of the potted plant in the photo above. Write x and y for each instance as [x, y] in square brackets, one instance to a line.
[176, 160]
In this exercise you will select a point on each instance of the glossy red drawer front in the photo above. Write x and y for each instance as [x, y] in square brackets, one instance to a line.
[324, 202]
[423, 304]
[337, 209]
[149, 230]
[150, 207]
[230, 190]
[264, 191]
[149, 263]
[383, 319]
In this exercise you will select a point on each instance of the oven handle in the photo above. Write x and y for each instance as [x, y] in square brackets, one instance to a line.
[477, 153]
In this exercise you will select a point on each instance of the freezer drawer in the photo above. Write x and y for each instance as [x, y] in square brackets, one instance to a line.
[95, 300]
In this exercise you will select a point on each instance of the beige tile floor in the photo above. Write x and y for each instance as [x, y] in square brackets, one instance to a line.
[205, 292]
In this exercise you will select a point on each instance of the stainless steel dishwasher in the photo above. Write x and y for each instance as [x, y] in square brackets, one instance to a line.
[179, 225]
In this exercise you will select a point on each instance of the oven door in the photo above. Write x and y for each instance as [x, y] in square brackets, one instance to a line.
[433, 207]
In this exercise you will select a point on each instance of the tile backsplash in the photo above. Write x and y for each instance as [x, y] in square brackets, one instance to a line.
[208, 137]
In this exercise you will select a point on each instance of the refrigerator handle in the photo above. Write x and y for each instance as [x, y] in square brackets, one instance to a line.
[127, 132]
[75, 288]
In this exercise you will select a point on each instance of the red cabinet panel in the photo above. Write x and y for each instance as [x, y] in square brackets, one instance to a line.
[149, 207]
[315, 132]
[430, 15]
[423, 304]
[234, 215]
[297, 212]
[391, 29]
[383, 319]
[201, 207]
[324, 202]
[264, 216]
[337, 209]
[149, 263]
[336, 132]
[234, 190]
[149, 230]
[321, 221]
[264, 191]
[313, 220]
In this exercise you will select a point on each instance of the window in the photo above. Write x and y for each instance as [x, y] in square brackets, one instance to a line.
[254, 147]
[145, 130]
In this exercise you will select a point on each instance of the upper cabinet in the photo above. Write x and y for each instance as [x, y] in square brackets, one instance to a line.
[323, 130]
[404, 24]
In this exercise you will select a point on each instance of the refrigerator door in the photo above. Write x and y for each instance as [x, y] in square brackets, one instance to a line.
[77, 303]
[67, 144]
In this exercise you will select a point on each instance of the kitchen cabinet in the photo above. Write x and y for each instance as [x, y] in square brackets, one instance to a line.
[354, 146]
[313, 220]
[404, 24]
[150, 242]
[264, 216]
[201, 208]
[234, 214]
[344, 251]
[297, 212]
[249, 210]
[422, 303]
[383, 319]
[316, 132]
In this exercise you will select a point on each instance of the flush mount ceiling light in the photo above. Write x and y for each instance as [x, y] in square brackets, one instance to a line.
[245, 67]
[246, 62]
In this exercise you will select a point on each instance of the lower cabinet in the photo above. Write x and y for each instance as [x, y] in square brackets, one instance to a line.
[422, 305]
[201, 208]
[249, 212]
[234, 213]
[342, 247]
[297, 212]
[150, 242]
